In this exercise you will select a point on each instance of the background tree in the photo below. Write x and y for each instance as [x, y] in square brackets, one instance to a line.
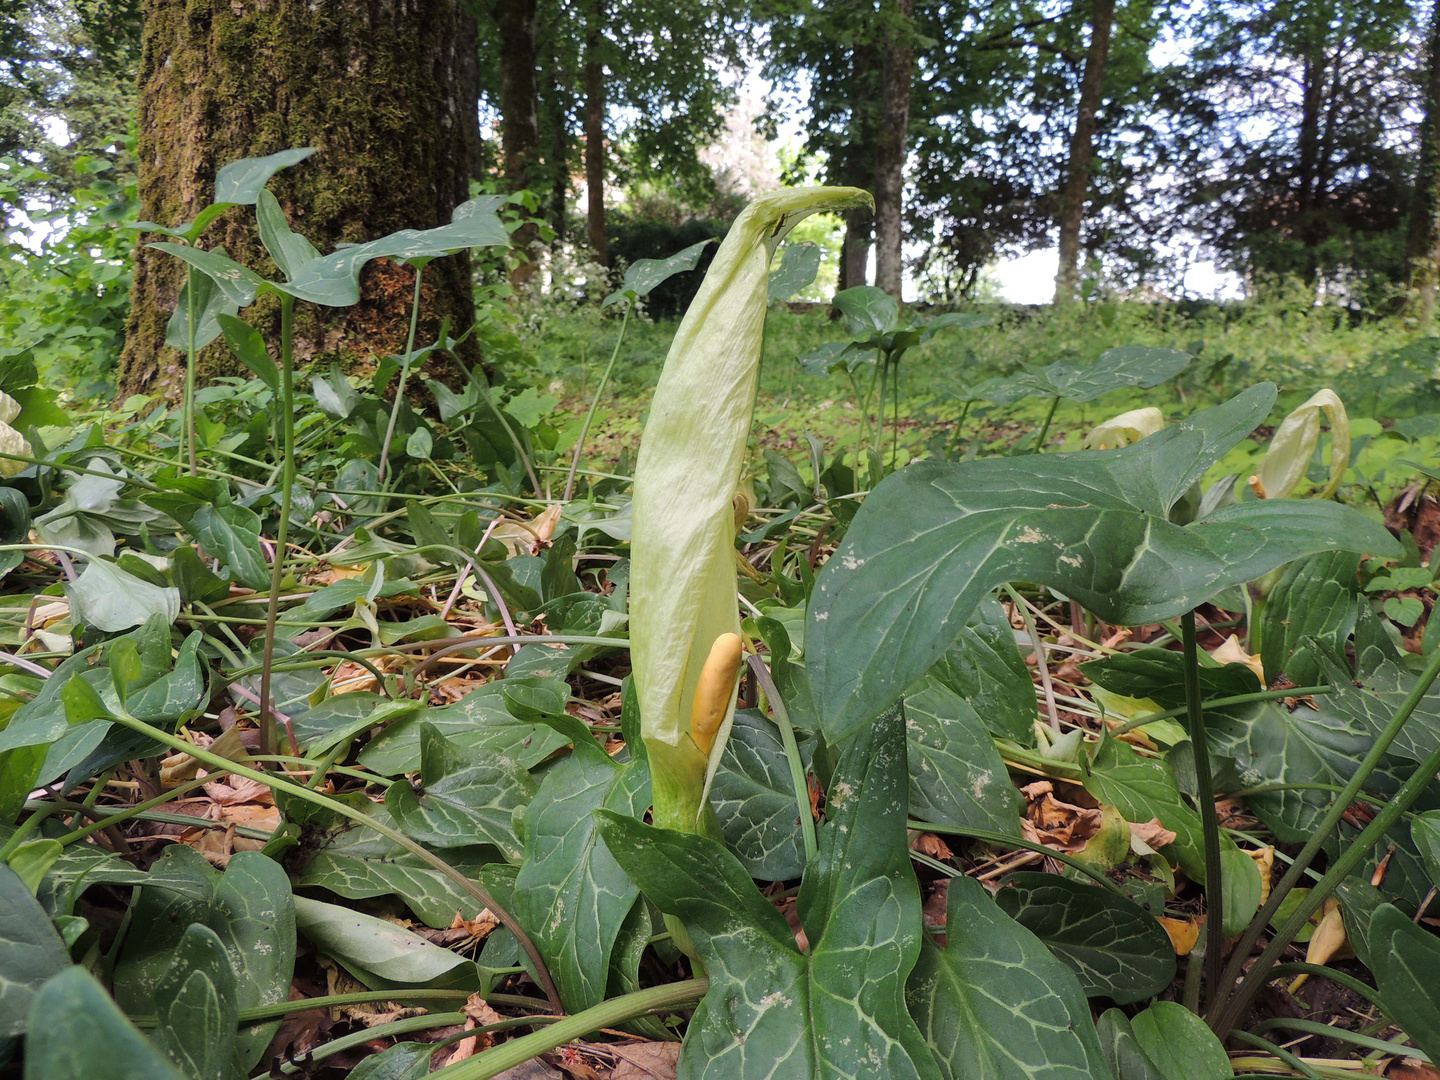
[1422, 246]
[1077, 168]
[1294, 137]
[385, 93]
[896, 65]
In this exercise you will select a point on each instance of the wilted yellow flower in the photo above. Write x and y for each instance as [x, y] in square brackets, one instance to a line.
[682, 578]
[1294, 444]
[11, 441]
[1128, 427]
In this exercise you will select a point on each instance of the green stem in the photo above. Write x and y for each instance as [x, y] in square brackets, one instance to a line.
[895, 413]
[1205, 800]
[492, 1062]
[282, 531]
[959, 427]
[792, 755]
[1330, 1031]
[594, 404]
[1225, 1014]
[427, 1022]
[1045, 427]
[190, 369]
[1280, 1052]
[139, 809]
[1354, 985]
[1237, 699]
[404, 375]
[879, 437]
[484, 390]
[360, 817]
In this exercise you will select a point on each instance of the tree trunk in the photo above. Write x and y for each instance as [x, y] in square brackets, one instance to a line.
[519, 25]
[896, 63]
[595, 135]
[379, 90]
[857, 169]
[1422, 246]
[1077, 173]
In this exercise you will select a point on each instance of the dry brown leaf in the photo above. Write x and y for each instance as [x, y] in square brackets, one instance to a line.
[1184, 933]
[645, 1060]
[530, 537]
[1410, 1069]
[1152, 833]
[932, 845]
[478, 927]
[1054, 823]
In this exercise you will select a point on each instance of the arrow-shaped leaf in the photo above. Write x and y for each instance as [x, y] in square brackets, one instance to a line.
[932, 540]
[772, 1010]
[994, 1004]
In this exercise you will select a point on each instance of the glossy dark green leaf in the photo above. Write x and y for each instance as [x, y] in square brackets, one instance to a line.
[31, 952]
[14, 527]
[1127, 365]
[754, 798]
[1425, 831]
[932, 540]
[403, 1061]
[985, 667]
[240, 182]
[77, 1031]
[249, 907]
[1371, 694]
[1180, 1044]
[643, 275]
[957, 777]
[358, 863]
[771, 1010]
[249, 348]
[994, 1004]
[572, 896]
[1122, 1050]
[1405, 960]
[334, 279]
[461, 801]
[867, 310]
[194, 579]
[197, 1006]
[479, 723]
[799, 263]
[227, 531]
[1314, 598]
[1115, 947]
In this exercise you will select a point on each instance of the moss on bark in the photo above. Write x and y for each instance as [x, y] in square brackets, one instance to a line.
[384, 89]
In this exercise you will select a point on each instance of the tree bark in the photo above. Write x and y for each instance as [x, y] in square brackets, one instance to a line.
[519, 25]
[595, 134]
[897, 61]
[1422, 246]
[1077, 172]
[380, 90]
[857, 169]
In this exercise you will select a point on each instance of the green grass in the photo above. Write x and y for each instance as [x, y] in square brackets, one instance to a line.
[1300, 348]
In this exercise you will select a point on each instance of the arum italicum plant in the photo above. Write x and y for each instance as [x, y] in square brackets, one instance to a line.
[685, 618]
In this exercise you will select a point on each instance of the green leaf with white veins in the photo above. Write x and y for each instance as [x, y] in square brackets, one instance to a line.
[461, 801]
[994, 1004]
[196, 1006]
[241, 182]
[1128, 365]
[754, 798]
[798, 266]
[957, 777]
[644, 274]
[773, 1011]
[932, 540]
[1115, 947]
[109, 599]
[571, 896]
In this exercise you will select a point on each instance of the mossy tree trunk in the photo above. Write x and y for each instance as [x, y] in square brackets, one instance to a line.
[386, 91]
